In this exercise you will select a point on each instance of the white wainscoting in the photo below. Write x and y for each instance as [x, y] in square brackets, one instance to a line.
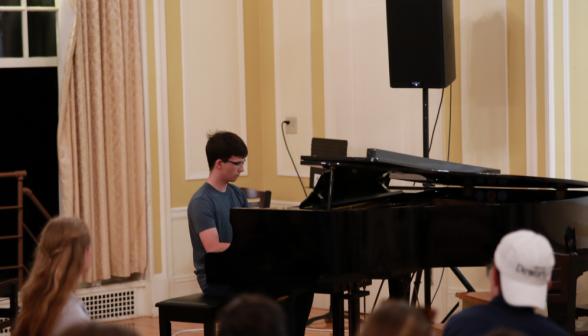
[360, 106]
[184, 279]
[213, 63]
[484, 76]
[293, 81]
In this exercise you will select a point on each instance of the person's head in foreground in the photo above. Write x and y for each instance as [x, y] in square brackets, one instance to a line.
[397, 318]
[252, 315]
[62, 257]
[523, 262]
[96, 329]
[226, 153]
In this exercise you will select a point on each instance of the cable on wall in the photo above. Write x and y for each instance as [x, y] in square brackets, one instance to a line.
[287, 122]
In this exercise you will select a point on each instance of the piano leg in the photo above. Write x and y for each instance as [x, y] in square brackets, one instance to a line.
[427, 291]
[338, 313]
[399, 287]
[354, 318]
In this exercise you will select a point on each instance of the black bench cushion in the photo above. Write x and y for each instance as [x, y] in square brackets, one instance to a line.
[195, 301]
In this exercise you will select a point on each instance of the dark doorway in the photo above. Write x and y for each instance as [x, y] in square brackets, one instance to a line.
[28, 141]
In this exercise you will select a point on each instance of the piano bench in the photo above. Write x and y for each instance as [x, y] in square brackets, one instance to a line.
[197, 308]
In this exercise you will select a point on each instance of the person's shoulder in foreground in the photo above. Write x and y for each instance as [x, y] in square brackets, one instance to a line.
[397, 318]
[480, 320]
[519, 282]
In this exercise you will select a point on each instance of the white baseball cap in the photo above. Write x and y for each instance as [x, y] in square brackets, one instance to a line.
[525, 261]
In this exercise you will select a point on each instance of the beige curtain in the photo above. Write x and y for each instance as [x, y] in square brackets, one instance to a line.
[101, 141]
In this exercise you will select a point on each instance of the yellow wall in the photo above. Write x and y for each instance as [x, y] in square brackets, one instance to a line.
[155, 203]
[579, 88]
[455, 151]
[260, 99]
[515, 17]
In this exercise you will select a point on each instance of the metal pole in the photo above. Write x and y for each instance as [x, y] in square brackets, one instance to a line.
[425, 122]
[426, 155]
[330, 198]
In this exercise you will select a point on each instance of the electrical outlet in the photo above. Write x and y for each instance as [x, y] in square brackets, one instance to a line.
[292, 128]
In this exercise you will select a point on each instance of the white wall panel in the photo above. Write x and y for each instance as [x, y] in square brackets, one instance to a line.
[214, 76]
[360, 106]
[183, 263]
[484, 75]
[292, 62]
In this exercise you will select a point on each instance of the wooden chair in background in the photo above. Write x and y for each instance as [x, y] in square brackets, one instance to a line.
[561, 297]
[265, 197]
[9, 289]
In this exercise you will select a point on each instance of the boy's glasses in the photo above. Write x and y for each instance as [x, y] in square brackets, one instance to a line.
[240, 163]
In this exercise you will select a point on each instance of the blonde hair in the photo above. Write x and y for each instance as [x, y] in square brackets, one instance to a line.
[59, 264]
[397, 318]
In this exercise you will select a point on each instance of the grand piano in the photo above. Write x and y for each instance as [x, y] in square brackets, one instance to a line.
[356, 225]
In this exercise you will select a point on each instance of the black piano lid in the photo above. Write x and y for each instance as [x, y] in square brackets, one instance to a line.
[418, 169]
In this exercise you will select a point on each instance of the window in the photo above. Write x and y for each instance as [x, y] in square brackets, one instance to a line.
[28, 33]
[28, 116]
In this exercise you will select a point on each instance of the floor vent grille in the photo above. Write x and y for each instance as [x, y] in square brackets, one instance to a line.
[110, 306]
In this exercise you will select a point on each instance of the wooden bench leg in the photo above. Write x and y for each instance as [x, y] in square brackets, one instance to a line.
[164, 326]
[210, 328]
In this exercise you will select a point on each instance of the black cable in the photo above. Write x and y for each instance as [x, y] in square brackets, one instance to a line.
[286, 143]
[449, 139]
[438, 285]
[436, 119]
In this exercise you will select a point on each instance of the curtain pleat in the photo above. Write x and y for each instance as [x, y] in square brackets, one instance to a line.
[101, 139]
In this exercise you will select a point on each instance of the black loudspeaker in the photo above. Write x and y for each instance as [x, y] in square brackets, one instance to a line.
[421, 47]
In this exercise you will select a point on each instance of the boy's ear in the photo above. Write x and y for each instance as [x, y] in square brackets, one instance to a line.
[217, 163]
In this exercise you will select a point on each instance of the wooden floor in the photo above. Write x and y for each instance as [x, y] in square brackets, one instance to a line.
[149, 326]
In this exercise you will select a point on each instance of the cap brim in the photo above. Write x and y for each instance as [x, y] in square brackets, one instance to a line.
[519, 294]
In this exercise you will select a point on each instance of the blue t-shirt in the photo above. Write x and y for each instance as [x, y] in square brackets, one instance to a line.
[210, 208]
[497, 314]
